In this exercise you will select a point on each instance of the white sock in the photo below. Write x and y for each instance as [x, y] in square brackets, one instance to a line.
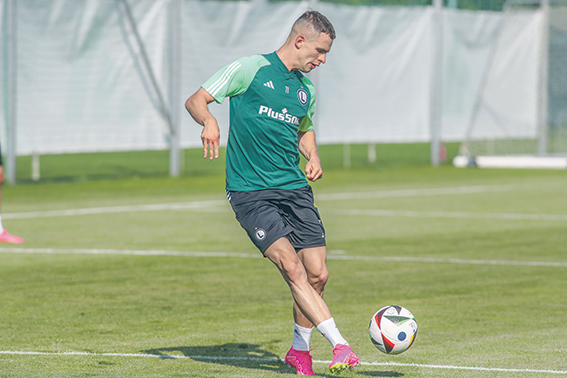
[1, 228]
[329, 330]
[301, 337]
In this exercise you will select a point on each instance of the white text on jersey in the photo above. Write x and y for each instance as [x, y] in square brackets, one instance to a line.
[283, 116]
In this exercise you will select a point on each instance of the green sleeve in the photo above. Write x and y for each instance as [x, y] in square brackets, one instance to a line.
[235, 78]
[307, 121]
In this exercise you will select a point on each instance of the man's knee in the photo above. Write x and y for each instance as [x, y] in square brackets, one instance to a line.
[295, 271]
[319, 279]
[314, 260]
[283, 255]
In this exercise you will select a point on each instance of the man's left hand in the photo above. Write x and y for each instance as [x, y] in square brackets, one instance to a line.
[313, 170]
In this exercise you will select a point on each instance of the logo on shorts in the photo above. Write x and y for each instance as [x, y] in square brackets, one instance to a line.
[260, 234]
[302, 96]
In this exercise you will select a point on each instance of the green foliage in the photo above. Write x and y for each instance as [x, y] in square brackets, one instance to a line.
[397, 3]
[490, 5]
[486, 5]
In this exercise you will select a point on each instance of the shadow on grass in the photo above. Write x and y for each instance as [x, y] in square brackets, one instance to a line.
[250, 356]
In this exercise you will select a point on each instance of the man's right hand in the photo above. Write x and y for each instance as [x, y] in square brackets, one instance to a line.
[197, 105]
[210, 136]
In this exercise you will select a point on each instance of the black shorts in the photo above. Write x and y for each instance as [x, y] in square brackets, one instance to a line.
[270, 214]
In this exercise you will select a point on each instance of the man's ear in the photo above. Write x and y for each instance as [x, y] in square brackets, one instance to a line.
[299, 41]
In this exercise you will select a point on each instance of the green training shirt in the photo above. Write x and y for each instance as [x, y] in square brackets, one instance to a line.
[268, 106]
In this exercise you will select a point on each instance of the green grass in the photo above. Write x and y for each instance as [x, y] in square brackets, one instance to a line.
[143, 164]
[469, 315]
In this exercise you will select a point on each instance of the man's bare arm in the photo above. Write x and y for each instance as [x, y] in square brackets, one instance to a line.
[197, 106]
[308, 148]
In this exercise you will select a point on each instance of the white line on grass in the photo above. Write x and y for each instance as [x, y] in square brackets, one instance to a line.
[474, 368]
[423, 192]
[194, 205]
[199, 205]
[128, 252]
[221, 358]
[450, 214]
[258, 255]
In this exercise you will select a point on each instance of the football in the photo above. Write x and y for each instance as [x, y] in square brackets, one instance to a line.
[392, 329]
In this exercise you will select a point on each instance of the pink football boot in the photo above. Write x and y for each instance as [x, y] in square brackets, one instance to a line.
[301, 360]
[5, 237]
[343, 358]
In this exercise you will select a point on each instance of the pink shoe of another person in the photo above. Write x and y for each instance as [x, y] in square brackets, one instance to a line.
[5, 237]
[343, 358]
[301, 360]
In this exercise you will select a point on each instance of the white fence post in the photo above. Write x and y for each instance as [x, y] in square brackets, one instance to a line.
[436, 83]
[175, 87]
[10, 89]
[543, 81]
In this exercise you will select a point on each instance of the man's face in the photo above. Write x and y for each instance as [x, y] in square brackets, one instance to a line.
[313, 52]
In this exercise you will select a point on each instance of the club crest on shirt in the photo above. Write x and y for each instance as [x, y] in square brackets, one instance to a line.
[302, 96]
[260, 234]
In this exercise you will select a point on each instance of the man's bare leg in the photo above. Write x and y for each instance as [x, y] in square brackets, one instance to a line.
[315, 263]
[308, 301]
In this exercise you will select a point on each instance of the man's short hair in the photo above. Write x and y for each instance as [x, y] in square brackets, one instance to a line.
[318, 22]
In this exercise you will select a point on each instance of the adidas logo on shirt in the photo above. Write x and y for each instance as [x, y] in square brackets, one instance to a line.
[269, 84]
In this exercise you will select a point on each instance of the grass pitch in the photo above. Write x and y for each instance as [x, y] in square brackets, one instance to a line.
[149, 276]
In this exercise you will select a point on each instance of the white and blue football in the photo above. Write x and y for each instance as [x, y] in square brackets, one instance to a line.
[392, 329]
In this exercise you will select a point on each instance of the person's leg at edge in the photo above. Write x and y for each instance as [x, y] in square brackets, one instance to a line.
[5, 237]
